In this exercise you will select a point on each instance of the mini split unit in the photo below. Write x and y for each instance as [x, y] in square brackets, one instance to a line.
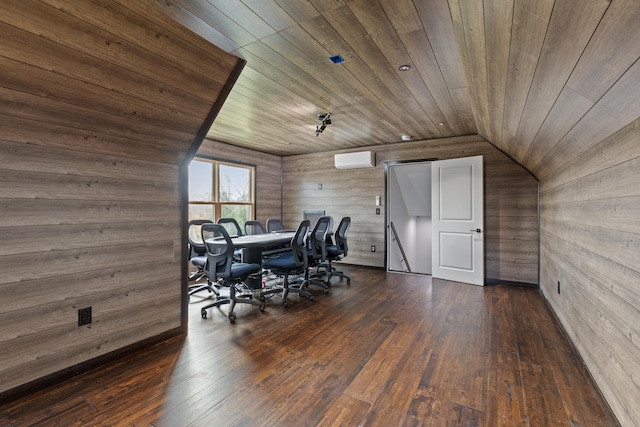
[357, 160]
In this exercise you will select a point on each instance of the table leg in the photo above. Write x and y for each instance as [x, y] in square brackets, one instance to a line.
[253, 256]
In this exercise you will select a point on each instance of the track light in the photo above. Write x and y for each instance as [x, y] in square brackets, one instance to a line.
[325, 120]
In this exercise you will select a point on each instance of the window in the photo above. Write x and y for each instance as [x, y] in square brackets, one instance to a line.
[220, 189]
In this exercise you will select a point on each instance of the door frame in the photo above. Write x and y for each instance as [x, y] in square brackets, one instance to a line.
[386, 198]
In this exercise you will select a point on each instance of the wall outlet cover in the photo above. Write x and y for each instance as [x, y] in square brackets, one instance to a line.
[84, 316]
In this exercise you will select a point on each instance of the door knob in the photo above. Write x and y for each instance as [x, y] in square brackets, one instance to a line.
[477, 230]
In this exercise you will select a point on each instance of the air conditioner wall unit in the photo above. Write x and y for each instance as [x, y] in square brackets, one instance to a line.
[360, 159]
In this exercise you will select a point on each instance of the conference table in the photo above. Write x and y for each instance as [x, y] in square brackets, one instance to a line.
[253, 247]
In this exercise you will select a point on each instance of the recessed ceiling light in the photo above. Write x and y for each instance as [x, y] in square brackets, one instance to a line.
[441, 124]
[406, 137]
[404, 67]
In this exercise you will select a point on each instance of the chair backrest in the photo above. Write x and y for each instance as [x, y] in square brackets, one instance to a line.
[341, 235]
[194, 234]
[231, 225]
[274, 224]
[219, 251]
[319, 238]
[299, 244]
[253, 227]
[312, 216]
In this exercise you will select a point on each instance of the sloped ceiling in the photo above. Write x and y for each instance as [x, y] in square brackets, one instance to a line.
[108, 78]
[543, 80]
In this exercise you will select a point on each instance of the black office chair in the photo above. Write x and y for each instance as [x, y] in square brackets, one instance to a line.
[294, 261]
[221, 269]
[234, 230]
[198, 257]
[231, 225]
[317, 251]
[337, 251]
[312, 216]
[274, 224]
[253, 227]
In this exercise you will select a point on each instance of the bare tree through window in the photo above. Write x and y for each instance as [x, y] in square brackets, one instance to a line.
[220, 189]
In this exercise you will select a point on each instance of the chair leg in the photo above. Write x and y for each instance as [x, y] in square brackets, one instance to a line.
[342, 276]
[194, 289]
[328, 271]
[296, 290]
[264, 292]
[316, 282]
[232, 300]
[332, 272]
[196, 275]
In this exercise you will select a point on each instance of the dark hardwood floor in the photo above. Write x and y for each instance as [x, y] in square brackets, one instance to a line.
[389, 350]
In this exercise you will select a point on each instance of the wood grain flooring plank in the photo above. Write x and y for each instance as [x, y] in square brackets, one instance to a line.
[544, 404]
[506, 406]
[346, 410]
[422, 352]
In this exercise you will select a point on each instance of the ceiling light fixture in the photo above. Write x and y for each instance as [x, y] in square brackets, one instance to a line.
[405, 67]
[325, 119]
[441, 124]
[406, 137]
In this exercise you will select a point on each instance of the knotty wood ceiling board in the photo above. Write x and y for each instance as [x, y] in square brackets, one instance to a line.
[533, 77]
[289, 80]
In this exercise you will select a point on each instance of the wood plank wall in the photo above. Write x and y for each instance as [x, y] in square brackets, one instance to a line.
[100, 101]
[268, 175]
[590, 244]
[511, 201]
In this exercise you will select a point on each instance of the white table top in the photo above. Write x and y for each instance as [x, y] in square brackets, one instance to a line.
[260, 240]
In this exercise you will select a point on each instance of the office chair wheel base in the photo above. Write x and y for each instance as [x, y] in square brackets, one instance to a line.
[232, 318]
[203, 313]
[348, 282]
[285, 303]
[310, 297]
[326, 291]
[261, 308]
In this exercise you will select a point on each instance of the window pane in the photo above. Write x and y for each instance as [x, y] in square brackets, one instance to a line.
[235, 184]
[238, 212]
[201, 181]
[200, 212]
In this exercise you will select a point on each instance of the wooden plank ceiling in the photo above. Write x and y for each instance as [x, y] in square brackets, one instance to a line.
[534, 77]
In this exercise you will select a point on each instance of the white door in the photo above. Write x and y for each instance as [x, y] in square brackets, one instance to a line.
[458, 221]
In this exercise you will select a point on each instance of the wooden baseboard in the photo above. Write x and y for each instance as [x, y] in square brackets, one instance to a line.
[492, 282]
[613, 421]
[65, 374]
[348, 264]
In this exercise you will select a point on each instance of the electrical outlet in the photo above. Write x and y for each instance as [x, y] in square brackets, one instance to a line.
[84, 316]
[373, 248]
[320, 186]
[377, 211]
